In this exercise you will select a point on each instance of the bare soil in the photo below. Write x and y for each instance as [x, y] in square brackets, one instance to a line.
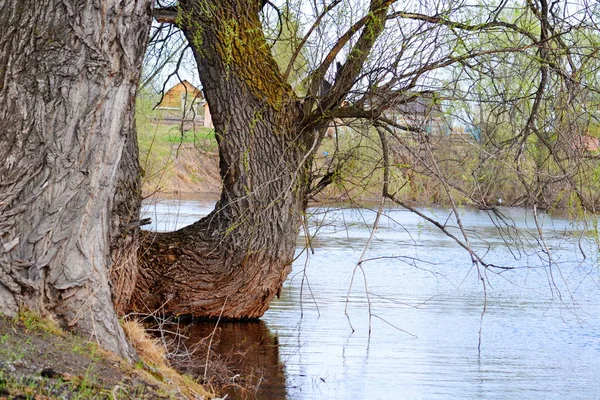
[188, 170]
[38, 364]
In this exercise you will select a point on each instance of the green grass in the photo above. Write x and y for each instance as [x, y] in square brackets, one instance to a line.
[170, 134]
[40, 361]
[163, 146]
[25, 387]
[191, 136]
[36, 323]
[153, 137]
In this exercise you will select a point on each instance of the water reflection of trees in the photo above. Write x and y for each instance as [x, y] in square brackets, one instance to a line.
[240, 357]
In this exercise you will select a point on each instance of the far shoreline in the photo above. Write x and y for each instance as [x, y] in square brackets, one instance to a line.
[361, 202]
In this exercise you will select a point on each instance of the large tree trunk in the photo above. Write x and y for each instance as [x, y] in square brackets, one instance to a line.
[68, 76]
[234, 261]
[125, 234]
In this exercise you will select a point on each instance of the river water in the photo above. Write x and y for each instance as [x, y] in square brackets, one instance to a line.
[409, 322]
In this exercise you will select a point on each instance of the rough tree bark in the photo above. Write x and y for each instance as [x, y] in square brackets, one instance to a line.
[234, 261]
[125, 233]
[68, 77]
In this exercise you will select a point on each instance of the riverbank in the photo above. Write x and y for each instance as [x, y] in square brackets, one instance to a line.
[183, 160]
[450, 169]
[185, 165]
[38, 360]
[436, 169]
[173, 162]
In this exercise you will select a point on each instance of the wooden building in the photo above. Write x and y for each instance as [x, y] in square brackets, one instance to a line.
[182, 95]
[184, 100]
[419, 111]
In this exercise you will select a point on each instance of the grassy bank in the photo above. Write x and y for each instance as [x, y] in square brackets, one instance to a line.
[176, 161]
[175, 157]
[38, 361]
[446, 169]
[424, 169]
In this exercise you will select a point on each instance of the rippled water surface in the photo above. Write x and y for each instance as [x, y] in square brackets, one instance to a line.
[421, 299]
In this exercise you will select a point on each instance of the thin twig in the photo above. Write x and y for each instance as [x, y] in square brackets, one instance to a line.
[212, 335]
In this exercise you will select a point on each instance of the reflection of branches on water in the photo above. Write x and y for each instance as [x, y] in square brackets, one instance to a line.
[318, 224]
[307, 249]
[360, 261]
[476, 260]
[212, 336]
[414, 263]
[445, 230]
[308, 245]
[507, 229]
[403, 303]
[394, 326]
[520, 242]
[552, 266]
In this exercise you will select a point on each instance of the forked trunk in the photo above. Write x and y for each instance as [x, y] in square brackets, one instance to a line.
[234, 261]
[68, 77]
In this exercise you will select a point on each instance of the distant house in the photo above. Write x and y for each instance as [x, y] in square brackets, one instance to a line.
[419, 111]
[187, 101]
[585, 143]
[182, 95]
